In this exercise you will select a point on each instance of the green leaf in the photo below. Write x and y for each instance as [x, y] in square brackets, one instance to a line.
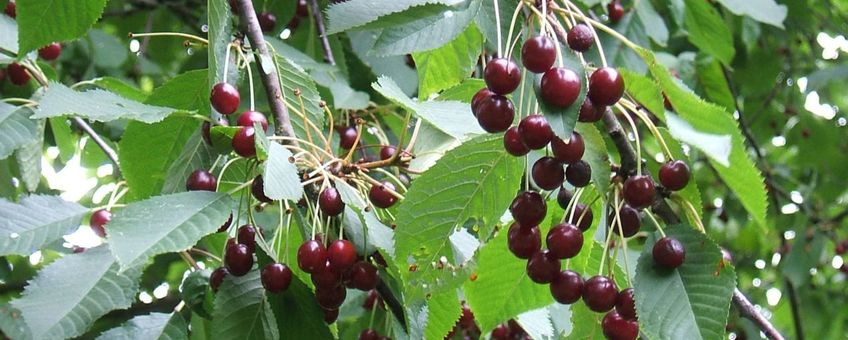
[121, 88]
[180, 221]
[71, 293]
[293, 77]
[153, 326]
[443, 311]
[486, 20]
[690, 302]
[617, 53]
[806, 253]
[448, 65]
[464, 91]
[16, 129]
[29, 159]
[356, 13]
[185, 92]
[106, 50]
[65, 139]
[765, 11]
[8, 36]
[59, 100]
[298, 314]
[708, 31]
[242, 311]
[425, 32]
[366, 231]
[652, 21]
[196, 155]
[596, 154]
[281, 179]
[712, 81]
[35, 222]
[71, 20]
[717, 147]
[645, 91]
[220, 23]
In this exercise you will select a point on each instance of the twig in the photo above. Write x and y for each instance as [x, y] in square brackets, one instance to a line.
[391, 301]
[113, 156]
[322, 32]
[748, 310]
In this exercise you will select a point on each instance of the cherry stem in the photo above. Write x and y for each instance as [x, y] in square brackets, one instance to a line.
[654, 219]
[205, 253]
[606, 250]
[226, 63]
[511, 29]
[414, 136]
[635, 134]
[170, 34]
[573, 204]
[498, 27]
[250, 82]
[185, 255]
[651, 126]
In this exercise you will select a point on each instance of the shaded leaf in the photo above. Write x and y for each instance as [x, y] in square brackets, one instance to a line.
[16, 129]
[281, 179]
[356, 13]
[425, 33]
[765, 11]
[97, 104]
[708, 31]
[242, 311]
[35, 222]
[73, 20]
[196, 155]
[153, 326]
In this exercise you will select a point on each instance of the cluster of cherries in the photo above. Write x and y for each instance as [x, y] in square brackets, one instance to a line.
[225, 98]
[18, 75]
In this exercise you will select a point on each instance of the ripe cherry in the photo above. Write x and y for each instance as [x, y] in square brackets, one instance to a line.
[630, 223]
[560, 87]
[513, 143]
[523, 242]
[617, 328]
[599, 293]
[225, 98]
[535, 131]
[606, 86]
[311, 256]
[567, 287]
[380, 195]
[330, 202]
[639, 191]
[589, 113]
[246, 235]
[580, 38]
[372, 300]
[369, 334]
[669, 253]
[267, 21]
[387, 151]
[258, 190]
[548, 173]
[528, 208]
[542, 267]
[564, 197]
[238, 259]
[585, 223]
[466, 319]
[495, 114]
[327, 277]
[538, 54]
[625, 304]
[10, 9]
[478, 98]
[502, 76]
[674, 175]
[570, 151]
[330, 315]
[302, 8]
[248, 118]
[330, 297]
[363, 276]
[276, 277]
[201, 180]
[18, 75]
[217, 277]
[564, 241]
[579, 174]
[501, 332]
[244, 142]
[342, 255]
[347, 135]
[98, 221]
[50, 52]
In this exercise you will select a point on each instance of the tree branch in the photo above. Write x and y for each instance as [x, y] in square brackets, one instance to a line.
[322, 33]
[113, 156]
[748, 310]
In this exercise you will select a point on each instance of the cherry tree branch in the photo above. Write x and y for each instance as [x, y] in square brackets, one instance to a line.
[322, 32]
[748, 310]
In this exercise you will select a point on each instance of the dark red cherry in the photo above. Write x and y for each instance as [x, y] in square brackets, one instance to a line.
[50, 52]
[248, 118]
[326, 276]
[363, 276]
[502, 76]
[238, 259]
[580, 38]
[617, 328]
[625, 304]
[564, 197]
[535, 131]
[513, 143]
[369, 334]
[589, 113]
[225, 98]
[606, 86]
[217, 277]
[347, 135]
[311, 256]
[599, 293]
[560, 87]
[579, 174]
[586, 221]
[244, 142]
[564, 241]
[523, 242]
[548, 173]
[570, 151]
[616, 11]
[639, 191]
[330, 202]
[387, 151]
[538, 54]
[18, 75]
[258, 190]
[478, 98]
[330, 297]
[201, 180]
[528, 208]
[246, 235]
[10, 9]
[567, 287]
[630, 223]
[276, 277]
[380, 195]
[330, 315]
[495, 114]
[466, 319]
[342, 255]
[501, 332]
[674, 175]
[372, 300]
[302, 8]
[669, 253]
[267, 21]
[98, 221]
[542, 267]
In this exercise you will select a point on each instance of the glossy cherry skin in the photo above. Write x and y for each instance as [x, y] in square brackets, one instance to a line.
[528, 208]
[579, 174]
[600, 293]
[606, 86]
[567, 287]
[625, 304]
[363, 276]
[380, 195]
[387, 151]
[580, 38]
[330, 297]
[325, 276]
[560, 87]
[616, 11]
[201, 180]
[267, 21]
[639, 191]
[674, 175]
[523, 242]
[258, 190]
[630, 221]
[276, 277]
[501, 332]
[50, 52]
[330, 202]
[372, 300]
[495, 114]
[311, 256]
[342, 255]
[18, 75]
[98, 221]
[238, 259]
[589, 113]
[217, 277]
[330, 315]
[538, 54]
[248, 118]
[579, 210]
[244, 142]
[513, 143]
[548, 173]
[246, 235]
[478, 98]
[502, 76]
[570, 151]
[225, 98]
[347, 136]
[617, 328]
[669, 253]
[542, 267]
[535, 131]
[11, 9]
[369, 334]
[564, 241]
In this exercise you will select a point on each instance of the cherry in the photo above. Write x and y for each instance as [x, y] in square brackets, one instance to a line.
[276, 277]
[669, 253]
[225, 98]
[570, 151]
[560, 87]
[580, 38]
[502, 76]
[387, 151]
[535, 131]
[50, 52]
[248, 118]
[616, 11]
[380, 195]
[326, 276]
[330, 297]
[244, 142]
[330, 202]
[599, 293]
[347, 135]
[478, 98]
[564, 197]
[267, 21]
[18, 75]
[625, 304]
[564, 241]
[639, 191]
[206, 130]
[311, 256]
[501, 332]
[617, 328]
[293, 23]
[201, 180]
[567, 287]
[538, 54]
[586, 222]
[605, 86]
[10, 9]
[548, 173]
[528, 208]
[369, 334]
[342, 255]
[630, 223]
[589, 113]
[674, 175]
[238, 259]
[363, 276]
[302, 8]
[217, 277]
[258, 190]
[98, 221]
[226, 225]
[542, 266]
[579, 174]
[372, 300]
[466, 319]
[522, 241]
[330, 315]
[513, 143]
[495, 114]
[246, 235]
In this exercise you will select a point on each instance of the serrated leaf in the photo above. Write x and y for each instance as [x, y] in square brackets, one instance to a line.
[8, 35]
[708, 31]
[596, 154]
[652, 21]
[716, 147]
[425, 33]
[765, 11]
[645, 91]
[713, 82]
[28, 158]
[242, 311]
[121, 88]
[562, 120]
[153, 326]
[35, 222]
[367, 232]
[448, 65]
[60, 100]
[196, 155]
[65, 139]
[147, 151]
[72, 20]
[690, 302]
[219, 21]
[281, 179]
[352, 14]
[537, 323]
[16, 129]
[71, 293]
[464, 91]
[444, 311]
[293, 77]
[185, 92]
[165, 224]
[298, 314]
